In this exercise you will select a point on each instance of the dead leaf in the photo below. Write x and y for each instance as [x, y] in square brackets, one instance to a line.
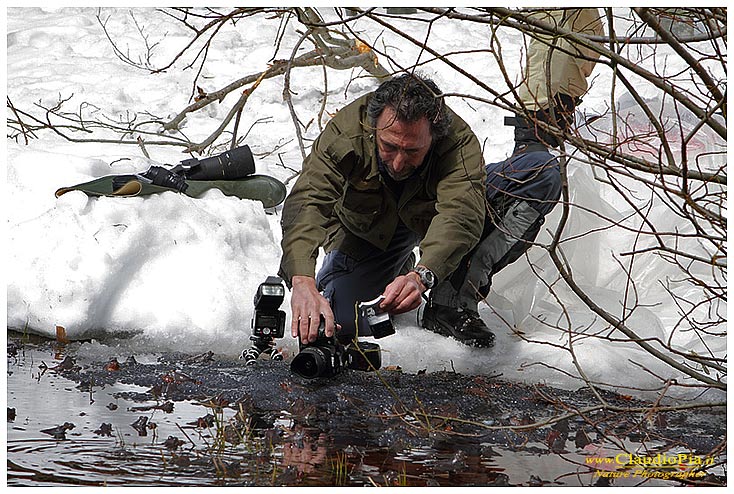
[112, 365]
[61, 335]
[104, 430]
[362, 47]
[202, 94]
[215, 402]
[551, 438]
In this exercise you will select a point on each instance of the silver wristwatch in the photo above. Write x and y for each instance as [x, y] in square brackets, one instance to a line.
[426, 275]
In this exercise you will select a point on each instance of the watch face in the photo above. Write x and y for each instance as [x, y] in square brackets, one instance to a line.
[427, 276]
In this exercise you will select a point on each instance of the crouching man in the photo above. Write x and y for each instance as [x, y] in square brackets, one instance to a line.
[393, 170]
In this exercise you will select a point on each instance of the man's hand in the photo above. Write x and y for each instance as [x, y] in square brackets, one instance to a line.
[403, 294]
[307, 307]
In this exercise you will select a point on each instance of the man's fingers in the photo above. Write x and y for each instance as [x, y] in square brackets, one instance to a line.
[409, 303]
[313, 328]
[406, 300]
[307, 305]
[298, 325]
[307, 326]
[295, 322]
[294, 328]
[402, 295]
[328, 323]
[391, 293]
[299, 311]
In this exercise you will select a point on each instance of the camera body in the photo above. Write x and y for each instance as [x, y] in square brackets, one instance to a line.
[268, 321]
[380, 322]
[324, 357]
[327, 357]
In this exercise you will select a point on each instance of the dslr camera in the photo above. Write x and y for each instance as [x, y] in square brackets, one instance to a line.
[327, 357]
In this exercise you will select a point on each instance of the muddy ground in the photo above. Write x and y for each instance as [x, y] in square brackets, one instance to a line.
[399, 410]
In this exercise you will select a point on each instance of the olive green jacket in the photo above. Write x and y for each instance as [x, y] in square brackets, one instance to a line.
[340, 201]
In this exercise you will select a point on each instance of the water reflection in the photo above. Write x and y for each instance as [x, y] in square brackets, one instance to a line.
[115, 441]
[304, 451]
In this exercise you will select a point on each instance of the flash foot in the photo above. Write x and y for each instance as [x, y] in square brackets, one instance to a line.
[259, 347]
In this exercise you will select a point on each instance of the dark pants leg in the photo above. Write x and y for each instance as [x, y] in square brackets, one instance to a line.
[503, 243]
[516, 214]
[345, 281]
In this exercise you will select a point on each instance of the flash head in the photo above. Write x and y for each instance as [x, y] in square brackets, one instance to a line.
[270, 294]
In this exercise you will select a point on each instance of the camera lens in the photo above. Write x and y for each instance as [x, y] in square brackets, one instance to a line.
[310, 363]
[231, 165]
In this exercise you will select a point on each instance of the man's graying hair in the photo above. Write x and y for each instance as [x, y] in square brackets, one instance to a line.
[412, 98]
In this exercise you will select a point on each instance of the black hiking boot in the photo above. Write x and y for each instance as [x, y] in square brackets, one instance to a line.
[463, 325]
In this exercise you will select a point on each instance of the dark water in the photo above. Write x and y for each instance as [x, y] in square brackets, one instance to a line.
[308, 438]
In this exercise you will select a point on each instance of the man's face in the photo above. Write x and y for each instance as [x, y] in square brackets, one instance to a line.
[402, 145]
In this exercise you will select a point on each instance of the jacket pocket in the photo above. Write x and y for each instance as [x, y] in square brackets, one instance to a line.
[360, 208]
